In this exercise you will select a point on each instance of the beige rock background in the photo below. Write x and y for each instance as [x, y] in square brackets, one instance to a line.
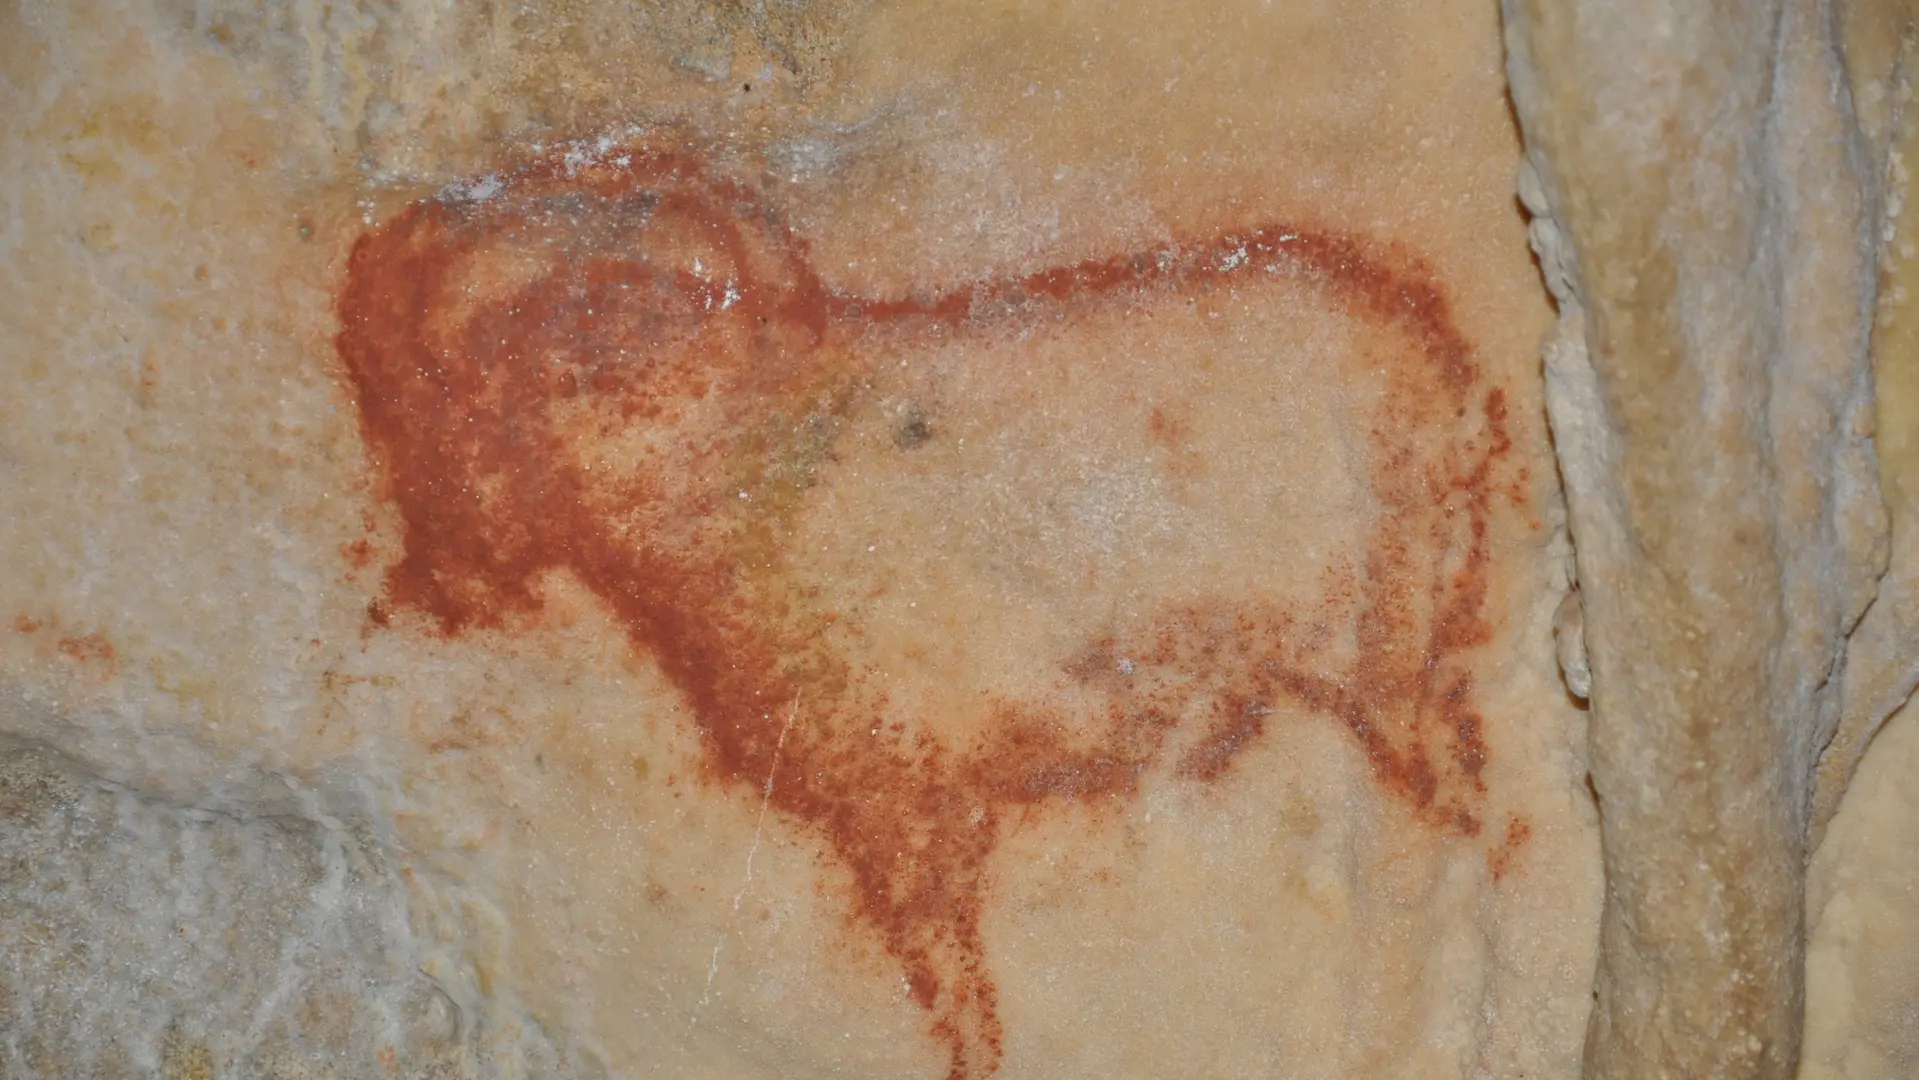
[253, 829]
[1645, 199]
[1710, 236]
[1860, 973]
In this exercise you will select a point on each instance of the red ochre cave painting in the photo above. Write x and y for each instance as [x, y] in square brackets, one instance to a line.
[572, 367]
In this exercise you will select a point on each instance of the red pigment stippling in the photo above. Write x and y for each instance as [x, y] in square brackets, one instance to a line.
[489, 340]
[1500, 860]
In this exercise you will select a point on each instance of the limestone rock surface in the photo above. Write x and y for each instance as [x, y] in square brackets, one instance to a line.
[906, 539]
[779, 540]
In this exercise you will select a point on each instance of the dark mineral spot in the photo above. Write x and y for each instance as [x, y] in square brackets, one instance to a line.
[913, 432]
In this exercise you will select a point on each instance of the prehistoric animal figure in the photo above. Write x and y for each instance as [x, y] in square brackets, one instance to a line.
[619, 365]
